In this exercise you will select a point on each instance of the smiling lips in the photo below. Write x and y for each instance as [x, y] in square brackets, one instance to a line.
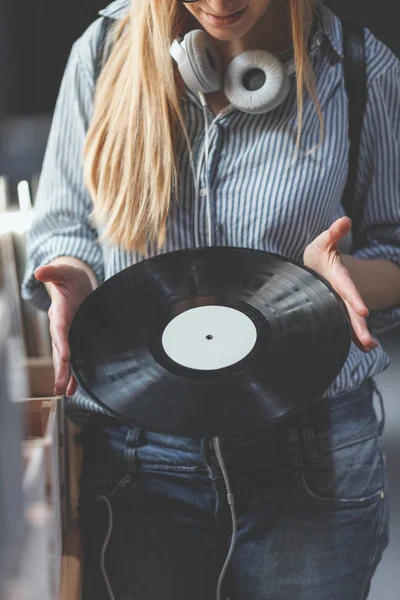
[225, 20]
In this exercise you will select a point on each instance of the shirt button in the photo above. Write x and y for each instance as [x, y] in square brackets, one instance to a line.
[203, 192]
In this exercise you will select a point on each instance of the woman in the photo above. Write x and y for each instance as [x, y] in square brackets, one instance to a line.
[310, 492]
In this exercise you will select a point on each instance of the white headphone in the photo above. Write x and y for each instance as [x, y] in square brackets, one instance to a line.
[255, 81]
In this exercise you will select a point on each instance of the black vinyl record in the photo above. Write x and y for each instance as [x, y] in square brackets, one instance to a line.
[209, 341]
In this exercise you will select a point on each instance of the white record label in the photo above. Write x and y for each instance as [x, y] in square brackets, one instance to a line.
[209, 337]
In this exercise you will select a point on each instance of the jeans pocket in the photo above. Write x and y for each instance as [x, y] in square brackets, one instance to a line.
[351, 476]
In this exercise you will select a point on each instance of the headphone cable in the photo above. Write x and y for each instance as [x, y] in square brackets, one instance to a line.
[216, 442]
[231, 503]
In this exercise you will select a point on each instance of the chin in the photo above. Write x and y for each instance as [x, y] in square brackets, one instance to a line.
[227, 34]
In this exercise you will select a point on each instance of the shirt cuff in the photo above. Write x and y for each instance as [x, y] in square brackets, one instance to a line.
[382, 320]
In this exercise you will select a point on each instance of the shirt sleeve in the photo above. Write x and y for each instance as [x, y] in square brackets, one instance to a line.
[378, 185]
[61, 217]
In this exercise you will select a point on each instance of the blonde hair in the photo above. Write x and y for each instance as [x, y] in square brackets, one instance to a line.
[130, 162]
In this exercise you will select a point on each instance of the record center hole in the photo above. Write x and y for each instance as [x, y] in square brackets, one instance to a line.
[209, 337]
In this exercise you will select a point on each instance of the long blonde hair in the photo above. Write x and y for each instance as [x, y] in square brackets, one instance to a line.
[130, 162]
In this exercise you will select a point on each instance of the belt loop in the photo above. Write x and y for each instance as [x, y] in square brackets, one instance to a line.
[132, 441]
[381, 424]
[307, 433]
[294, 450]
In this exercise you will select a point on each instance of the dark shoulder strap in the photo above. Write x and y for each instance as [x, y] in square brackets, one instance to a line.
[356, 87]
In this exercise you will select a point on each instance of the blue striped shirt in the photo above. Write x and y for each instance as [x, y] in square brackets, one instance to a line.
[261, 198]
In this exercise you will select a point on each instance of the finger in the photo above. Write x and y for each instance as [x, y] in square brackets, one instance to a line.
[361, 334]
[59, 334]
[72, 386]
[332, 236]
[339, 229]
[347, 289]
[60, 274]
[363, 347]
[61, 369]
[59, 328]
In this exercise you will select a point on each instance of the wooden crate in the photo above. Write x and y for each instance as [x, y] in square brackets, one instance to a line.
[40, 375]
[36, 577]
[72, 566]
[42, 431]
[41, 419]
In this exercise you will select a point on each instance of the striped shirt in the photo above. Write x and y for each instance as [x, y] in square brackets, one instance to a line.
[260, 197]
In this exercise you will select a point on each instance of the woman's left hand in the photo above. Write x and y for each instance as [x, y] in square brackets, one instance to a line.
[323, 256]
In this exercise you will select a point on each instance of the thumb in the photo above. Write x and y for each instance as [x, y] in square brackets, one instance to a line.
[340, 228]
[332, 236]
[54, 274]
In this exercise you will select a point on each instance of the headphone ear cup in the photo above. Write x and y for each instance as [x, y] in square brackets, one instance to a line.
[204, 60]
[202, 69]
[256, 82]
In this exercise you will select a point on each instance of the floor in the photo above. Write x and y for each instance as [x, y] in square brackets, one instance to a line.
[386, 581]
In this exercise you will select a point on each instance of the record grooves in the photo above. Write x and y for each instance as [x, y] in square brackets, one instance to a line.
[209, 341]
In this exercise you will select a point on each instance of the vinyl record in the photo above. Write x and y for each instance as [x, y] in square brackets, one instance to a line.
[209, 341]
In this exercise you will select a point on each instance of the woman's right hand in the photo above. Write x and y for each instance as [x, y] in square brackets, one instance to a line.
[70, 286]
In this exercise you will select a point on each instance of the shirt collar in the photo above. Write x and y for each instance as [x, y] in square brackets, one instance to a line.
[328, 26]
[116, 10]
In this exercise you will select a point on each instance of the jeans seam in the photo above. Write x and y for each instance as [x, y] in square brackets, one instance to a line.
[340, 502]
[169, 468]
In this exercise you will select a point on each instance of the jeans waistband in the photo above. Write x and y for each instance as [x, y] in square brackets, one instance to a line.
[329, 424]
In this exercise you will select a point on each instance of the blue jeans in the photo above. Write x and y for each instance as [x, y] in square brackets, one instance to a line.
[310, 496]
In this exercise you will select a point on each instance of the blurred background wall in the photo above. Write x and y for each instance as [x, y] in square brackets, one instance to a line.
[37, 36]
[35, 40]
